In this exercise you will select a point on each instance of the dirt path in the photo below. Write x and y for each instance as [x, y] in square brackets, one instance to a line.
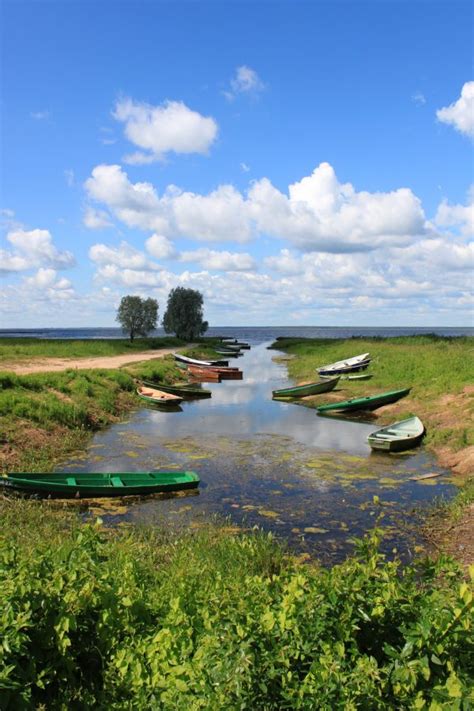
[47, 365]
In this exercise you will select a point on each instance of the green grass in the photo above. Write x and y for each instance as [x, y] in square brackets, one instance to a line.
[142, 618]
[433, 366]
[14, 349]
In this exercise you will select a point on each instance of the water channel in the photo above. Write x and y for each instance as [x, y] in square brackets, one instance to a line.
[311, 480]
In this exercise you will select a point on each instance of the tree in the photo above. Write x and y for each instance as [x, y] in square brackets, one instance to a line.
[137, 316]
[184, 314]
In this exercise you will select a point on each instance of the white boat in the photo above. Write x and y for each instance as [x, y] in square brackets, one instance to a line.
[359, 362]
[399, 436]
[195, 361]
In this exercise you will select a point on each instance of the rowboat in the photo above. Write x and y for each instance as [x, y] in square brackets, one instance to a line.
[399, 436]
[200, 375]
[223, 373]
[160, 397]
[370, 402]
[228, 347]
[323, 386]
[195, 361]
[183, 391]
[89, 485]
[359, 362]
[357, 376]
[228, 353]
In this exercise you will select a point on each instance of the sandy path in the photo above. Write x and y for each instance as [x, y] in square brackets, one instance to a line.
[47, 365]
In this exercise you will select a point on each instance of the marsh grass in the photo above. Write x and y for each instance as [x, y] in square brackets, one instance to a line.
[143, 618]
[438, 369]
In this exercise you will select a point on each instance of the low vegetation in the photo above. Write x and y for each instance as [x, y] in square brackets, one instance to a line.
[147, 619]
[438, 369]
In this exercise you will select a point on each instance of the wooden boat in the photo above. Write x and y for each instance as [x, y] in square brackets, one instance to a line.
[90, 485]
[158, 396]
[243, 345]
[399, 436]
[228, 353]
[204, 375]
[232, 347]
[195, 361]
[358, 376]
[323, 386]
[223, 373]
[359, 362]
[183, 391]
[370, 402]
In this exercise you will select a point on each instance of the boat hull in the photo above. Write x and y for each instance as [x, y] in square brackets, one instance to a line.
[195, 361]
[181, 390]
[158, 397]
[305, 390]
[97, 484]
[399, 436]
[340, 370]
[371, 402]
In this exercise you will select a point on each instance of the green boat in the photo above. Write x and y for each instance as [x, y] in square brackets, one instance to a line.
[322, 386]
[91, 485]
[183, 390]
[370, 402]
[399, 436]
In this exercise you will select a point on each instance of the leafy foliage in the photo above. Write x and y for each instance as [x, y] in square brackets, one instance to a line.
[209, 621]
[137, 316]
[184, 315]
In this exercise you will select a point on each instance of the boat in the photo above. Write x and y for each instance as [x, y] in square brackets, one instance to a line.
[233, 348]
[223, 373]
[399, 436]
[322, 386]
[194, 361]
[184, 390]
[358, 376]
[160, 397]
[199, 375]
[228, 353]
[370, 402]
[359, 362]
[88, 485]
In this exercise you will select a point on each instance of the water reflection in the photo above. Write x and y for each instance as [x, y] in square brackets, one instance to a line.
[310, 479]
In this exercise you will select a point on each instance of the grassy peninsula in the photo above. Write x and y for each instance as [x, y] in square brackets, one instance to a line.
[439, 370]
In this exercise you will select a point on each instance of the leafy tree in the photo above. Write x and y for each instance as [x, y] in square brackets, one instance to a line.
[137, 316]
[184, 313]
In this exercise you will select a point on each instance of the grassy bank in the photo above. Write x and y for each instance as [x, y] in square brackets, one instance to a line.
[46, 416]
[144, 619]
[439, 370]
[20, 349]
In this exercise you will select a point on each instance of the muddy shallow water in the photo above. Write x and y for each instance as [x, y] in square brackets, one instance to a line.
[309, 479]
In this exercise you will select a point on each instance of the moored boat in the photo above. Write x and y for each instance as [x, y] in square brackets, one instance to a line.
[160, 397]
[228, 353]
[196, 361]
[359, 362]
[224, 373]
[370, 402]
[399, 436]
[322, 386]
[183, 391]
[88, 485]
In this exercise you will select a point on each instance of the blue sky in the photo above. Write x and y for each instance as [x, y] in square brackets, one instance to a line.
[298, 163]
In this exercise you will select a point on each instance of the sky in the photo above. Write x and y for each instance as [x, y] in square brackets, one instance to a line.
[299, 163]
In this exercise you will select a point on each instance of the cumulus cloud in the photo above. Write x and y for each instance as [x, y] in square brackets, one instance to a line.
[160, 247]
[33, 248]
[158, 130]
[96, 219]
[460, 114]
[124, 256]
[318, 213]
[245, 81]
[220, 261]
[458, 216]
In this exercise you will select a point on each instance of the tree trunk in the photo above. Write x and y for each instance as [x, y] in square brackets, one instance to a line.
[132, 336]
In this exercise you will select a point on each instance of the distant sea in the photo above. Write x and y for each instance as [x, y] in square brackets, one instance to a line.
[253, 334]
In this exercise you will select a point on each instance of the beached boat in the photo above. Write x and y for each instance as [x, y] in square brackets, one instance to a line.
[194, 361]
[359, 362]
[370, 402]
[224, 373]
[228, 353]
[199, 375]
[183, 391]
[322, 386]
[90, 485]
[357, 376]
[399, 436]
[228, 347]
[160, 397]
[243, 345]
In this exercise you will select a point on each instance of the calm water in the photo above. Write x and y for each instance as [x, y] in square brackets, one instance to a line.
[309, 479]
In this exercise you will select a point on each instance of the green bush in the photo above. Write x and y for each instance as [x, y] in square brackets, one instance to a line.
[210, 621]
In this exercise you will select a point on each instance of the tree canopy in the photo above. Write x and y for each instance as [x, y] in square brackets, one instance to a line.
[184, 315]
[137, 316]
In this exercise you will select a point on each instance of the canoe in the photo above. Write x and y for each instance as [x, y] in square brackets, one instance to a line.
[96, 484]
[341, 369]
[195, 361]
[370, 402]
[158, 396]
[345, 365]
[180, 390]
[399, 436]
[323, 386]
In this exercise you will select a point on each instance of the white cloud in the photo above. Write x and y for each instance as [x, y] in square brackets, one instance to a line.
[160, 247]
[460, 114]
[96, 219]
[245, 81]
[124, 256]
[458, 216]
[31, 249]
[112, 273]
[170, 127]
[220, 261]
